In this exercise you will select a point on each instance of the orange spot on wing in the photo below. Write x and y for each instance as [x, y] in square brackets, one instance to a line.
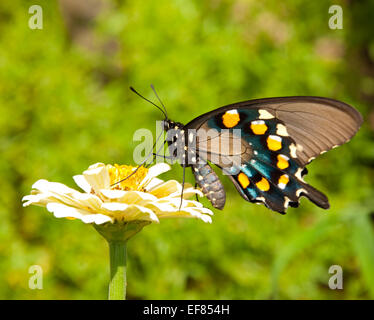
[283, 179]
[263, 185]
[243, 180]
[230, 119]
[282, 162]
[274, 143]
[258, 127]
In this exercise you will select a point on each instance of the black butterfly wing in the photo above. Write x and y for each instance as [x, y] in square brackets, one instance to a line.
[279, 137]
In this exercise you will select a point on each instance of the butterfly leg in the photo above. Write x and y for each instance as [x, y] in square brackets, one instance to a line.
[184, 176]
[197, 198]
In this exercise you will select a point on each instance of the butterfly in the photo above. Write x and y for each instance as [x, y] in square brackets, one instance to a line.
[275, 139]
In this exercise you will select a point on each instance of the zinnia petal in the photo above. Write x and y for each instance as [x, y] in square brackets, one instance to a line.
[166, 188]
[82, 183]
[98, 177]
[62, 211]
[153, 183]
[153, 172]
[131, 212]
[128, 196]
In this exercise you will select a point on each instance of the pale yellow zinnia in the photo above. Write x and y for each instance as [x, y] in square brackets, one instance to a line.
[142, 197]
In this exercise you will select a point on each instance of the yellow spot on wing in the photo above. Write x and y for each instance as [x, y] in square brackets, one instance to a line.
[263, 185]
[274, 143]
[281, 130]
[264, 114]
[293, 150]
[243, 180]
[230, 118]
[259, 127]
[282, 161]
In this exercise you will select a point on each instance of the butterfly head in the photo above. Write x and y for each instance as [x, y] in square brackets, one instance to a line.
[168, 124]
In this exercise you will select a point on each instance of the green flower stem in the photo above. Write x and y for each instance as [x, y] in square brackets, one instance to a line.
[117, 234]
[117, 285]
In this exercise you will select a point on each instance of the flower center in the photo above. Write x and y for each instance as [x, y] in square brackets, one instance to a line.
[118, 173]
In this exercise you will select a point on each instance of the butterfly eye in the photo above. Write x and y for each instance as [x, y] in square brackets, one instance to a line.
[165, 125]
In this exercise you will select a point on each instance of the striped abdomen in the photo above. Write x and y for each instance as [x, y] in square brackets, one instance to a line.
[210, 184]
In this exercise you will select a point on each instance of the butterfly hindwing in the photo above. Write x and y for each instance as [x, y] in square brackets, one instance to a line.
[273, 175]
[276, 189]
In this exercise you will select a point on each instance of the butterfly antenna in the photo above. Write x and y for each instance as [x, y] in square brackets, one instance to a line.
[133, 90]
[158, 98]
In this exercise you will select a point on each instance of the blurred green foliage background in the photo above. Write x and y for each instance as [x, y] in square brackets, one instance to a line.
[65, 104]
